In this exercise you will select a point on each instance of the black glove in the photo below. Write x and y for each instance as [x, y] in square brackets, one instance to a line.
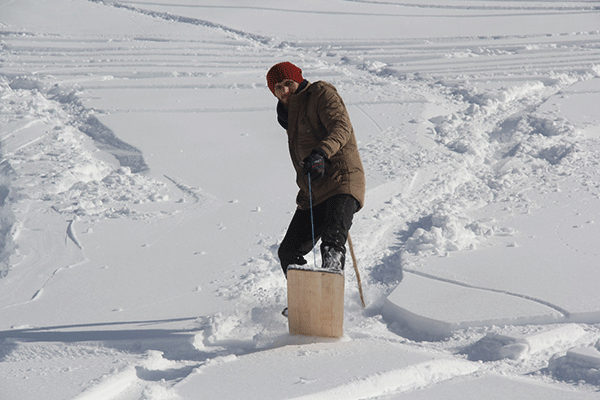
[314, 164]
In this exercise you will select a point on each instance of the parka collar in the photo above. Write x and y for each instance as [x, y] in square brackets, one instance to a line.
[283, 110]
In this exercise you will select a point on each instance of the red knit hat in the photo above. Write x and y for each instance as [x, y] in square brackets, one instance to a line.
[282, 71]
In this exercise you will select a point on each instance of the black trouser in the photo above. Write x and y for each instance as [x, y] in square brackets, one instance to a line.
[332, 221]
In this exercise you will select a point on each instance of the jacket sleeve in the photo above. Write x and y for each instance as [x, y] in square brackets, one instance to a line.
[334, 117]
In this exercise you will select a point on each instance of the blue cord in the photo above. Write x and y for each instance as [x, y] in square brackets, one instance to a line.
[312, 224]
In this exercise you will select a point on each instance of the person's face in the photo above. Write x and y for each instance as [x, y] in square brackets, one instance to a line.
[285, 89]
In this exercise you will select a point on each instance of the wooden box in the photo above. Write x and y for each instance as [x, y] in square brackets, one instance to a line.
[315, 302]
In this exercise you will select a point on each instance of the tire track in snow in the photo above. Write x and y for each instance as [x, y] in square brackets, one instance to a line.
[502, 57]
[564, 9]
[561, 310]
[502, 7]
[186, 20]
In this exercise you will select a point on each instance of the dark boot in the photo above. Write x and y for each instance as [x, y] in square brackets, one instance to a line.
[334, 259]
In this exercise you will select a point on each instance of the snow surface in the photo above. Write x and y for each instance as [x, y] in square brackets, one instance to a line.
[145, 185]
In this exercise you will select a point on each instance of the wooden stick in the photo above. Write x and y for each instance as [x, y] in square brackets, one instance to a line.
[360, 292]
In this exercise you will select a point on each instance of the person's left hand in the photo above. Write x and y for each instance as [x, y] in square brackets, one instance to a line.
[314, 164]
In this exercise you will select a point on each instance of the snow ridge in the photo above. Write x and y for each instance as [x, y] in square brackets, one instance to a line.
[397, 381]
[87, 185]
[7, 220]
[127, 155]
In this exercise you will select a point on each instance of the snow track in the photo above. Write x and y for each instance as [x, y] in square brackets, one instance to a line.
[183, 20]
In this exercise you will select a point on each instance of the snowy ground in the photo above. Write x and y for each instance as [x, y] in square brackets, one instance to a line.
[145, 186]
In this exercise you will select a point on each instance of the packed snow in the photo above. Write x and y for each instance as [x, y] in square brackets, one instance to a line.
[145, 186]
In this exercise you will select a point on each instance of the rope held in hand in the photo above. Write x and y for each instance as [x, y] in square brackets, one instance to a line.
[312, 224]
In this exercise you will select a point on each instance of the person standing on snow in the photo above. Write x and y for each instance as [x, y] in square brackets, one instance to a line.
[323, 149]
